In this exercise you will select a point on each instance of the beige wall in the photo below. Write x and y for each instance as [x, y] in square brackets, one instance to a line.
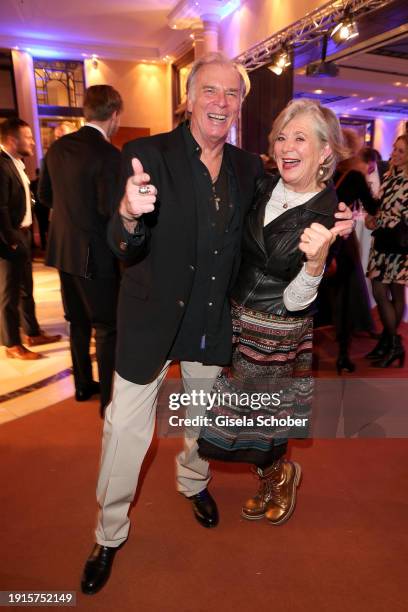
[385, 132]
[256, 20]
[145, 89]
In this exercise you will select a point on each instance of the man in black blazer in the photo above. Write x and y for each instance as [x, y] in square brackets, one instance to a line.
[16, 274]
[178, 229]
[79, 181]
[180, 259]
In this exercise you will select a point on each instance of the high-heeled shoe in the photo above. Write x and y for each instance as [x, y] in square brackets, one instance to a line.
[344, 363]
[381, 348]
[396, 352]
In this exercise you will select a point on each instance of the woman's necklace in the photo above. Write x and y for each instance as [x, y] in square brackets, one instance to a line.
[287, 203]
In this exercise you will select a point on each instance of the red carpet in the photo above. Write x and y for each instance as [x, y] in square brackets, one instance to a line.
[345, 548]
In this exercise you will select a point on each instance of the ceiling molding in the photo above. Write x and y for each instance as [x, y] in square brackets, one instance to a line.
[73, 50]
[188, 14]
[377, 70]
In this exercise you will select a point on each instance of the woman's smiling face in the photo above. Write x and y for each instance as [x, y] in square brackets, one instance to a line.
[399, 156]
[299, 153]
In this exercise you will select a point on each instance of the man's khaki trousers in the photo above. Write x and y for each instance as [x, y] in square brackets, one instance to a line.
[127, 434]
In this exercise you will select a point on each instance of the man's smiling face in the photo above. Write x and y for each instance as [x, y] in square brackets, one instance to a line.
[214, 103]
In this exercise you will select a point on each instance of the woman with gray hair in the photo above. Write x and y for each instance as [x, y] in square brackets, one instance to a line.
[285, 244]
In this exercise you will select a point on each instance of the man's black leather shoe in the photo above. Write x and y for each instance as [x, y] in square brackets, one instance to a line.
[85, 393]
[205, 509]
[97, 569]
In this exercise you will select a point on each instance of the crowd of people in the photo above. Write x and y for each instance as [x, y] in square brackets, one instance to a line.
[221, 264]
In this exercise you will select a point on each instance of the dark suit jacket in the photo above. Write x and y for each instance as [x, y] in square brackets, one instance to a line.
[353, 187]
[12, 204]
[79, 181]
[159, 273]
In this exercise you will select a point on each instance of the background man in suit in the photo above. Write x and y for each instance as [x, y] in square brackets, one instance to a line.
[16, 274]
[79, 182]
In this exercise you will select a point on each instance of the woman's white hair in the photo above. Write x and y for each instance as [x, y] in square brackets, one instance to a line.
[327, 129]
[221, 60]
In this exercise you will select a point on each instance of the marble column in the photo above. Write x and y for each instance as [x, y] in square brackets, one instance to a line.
[27, 103]
[206, 35]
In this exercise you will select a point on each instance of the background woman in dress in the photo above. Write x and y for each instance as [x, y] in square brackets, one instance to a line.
[388, 264]
[285, 245]
[347, 286]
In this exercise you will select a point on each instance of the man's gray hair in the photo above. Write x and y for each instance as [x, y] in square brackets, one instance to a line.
[221, 60]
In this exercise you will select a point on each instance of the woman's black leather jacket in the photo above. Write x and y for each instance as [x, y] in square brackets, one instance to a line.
[270, 255]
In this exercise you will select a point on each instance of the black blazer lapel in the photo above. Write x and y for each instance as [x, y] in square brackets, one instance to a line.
[243, 188]
[257, 215]
[13, 169]
[177, 162]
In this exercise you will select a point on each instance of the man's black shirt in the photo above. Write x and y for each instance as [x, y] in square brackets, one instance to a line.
[218, 233]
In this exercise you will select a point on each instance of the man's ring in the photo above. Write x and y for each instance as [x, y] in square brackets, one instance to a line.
[144, 190]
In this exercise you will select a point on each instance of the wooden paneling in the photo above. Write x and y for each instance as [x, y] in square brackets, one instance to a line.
[124, 134]
[268, 96]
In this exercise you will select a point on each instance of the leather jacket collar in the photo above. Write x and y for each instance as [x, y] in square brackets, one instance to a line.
[321, 204]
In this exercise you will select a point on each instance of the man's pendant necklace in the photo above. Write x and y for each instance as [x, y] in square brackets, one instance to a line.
[216, 199]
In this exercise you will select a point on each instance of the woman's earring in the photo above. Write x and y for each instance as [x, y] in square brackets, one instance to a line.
[321, 171]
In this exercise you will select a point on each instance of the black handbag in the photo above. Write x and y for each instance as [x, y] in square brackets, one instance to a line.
[392, 239]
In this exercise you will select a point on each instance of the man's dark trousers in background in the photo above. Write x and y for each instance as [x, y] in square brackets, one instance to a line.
[91, 303]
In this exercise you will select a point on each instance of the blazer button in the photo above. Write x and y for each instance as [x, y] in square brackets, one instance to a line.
[123, 245]
[192, 268]
[181, 303]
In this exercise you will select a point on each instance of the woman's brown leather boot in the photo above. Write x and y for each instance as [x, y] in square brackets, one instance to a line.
[276, 497]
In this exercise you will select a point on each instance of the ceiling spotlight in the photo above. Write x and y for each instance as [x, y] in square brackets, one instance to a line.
[281, 61]
[345, 30]
[322, 68]
[94, 61]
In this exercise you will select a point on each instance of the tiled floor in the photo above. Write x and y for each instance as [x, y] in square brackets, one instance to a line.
[27, 386]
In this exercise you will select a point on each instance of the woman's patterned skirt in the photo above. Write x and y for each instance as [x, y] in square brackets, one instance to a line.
[265, 397]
